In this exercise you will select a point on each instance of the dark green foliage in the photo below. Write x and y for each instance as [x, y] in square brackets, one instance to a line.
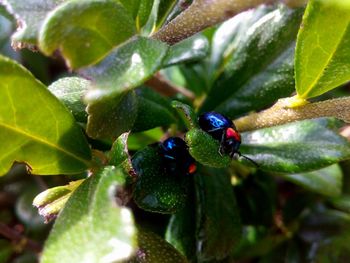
[85, 144]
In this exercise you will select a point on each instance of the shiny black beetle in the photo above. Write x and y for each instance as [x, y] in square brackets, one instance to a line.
[176, 157]
[222, 129]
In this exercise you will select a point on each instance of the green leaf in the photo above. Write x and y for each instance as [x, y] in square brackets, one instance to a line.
[144, 12]
[132, 6]
[36, 128]
[188, 50]
[165, 7]
[187, 113]
[257, 57]
[327, 181]
[155, 190]
[119, 156]
[276, 81]
[119, 151]
[111, 117]
[228, 36]
[218, 221]
[154, 249]
[342, 203]
[196, 77]
[181, 230]
[30, 16]
[153, 110]
[70, 92]
[150, 26]
[92, 227]
[322, 60]
[140, 140]
[297, 147]
[85, 31]
[51, 201]
[111, 112]
[205, 149]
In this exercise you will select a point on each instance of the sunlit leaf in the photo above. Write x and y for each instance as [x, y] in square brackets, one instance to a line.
[93, 223]
[35, 127]
[85, 31]
[322, 59]
[111, 106]
[297, 147]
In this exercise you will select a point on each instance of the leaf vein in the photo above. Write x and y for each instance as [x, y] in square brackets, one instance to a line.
[40, 140]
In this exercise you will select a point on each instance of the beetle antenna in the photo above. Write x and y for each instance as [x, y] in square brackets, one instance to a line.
[247, 158]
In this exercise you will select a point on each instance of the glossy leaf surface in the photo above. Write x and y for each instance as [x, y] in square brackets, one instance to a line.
[165, 7]
[154, 249]
[39, 131]
[85, 31]
[327, 181]
[155, 190]
[218, 221]
[93, 223]
[119, 151]
[322, 59]
[144, 11]
[70, 92]
[297, 147]
[276, 81]
[228, 36]
[112, 109]
[259, 66]
[188, 50]
[181, 229]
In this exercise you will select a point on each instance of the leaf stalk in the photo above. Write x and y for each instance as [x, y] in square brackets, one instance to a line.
[282, 113]
[202, 14]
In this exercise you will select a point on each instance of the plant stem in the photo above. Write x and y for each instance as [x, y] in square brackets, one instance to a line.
[202, 14]
[13, 235]
[280, 113]
[164, 87]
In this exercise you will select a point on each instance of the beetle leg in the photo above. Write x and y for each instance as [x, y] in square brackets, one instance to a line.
[221, 152]
[247, 158]
[221, 148]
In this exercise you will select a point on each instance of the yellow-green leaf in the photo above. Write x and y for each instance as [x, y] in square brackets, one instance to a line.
[322, 60]
[35, 127]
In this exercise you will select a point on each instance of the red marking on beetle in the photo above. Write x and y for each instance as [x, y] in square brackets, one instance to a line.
[231, 133]
[192, 168]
